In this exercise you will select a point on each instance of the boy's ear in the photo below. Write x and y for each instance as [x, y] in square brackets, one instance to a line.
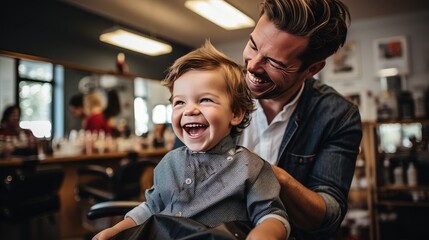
[237, 118]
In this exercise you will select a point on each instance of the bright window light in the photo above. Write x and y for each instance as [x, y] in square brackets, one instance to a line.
[159, 114]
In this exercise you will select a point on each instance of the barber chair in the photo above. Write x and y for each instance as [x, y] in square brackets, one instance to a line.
[101, 184]
[169, 227]
[111, 208]
[29, 203]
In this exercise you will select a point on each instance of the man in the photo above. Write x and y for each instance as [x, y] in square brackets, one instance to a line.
[76, 108]
[305, 129]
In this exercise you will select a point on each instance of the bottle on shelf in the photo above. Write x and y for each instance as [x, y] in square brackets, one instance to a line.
[398, 174]
[386, 171]
[405, 105]
[412, 175]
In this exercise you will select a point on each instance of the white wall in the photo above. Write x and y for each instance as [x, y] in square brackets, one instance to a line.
[7, 82]
[415, 26]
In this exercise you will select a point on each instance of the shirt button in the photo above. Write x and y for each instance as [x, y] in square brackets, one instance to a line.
[301, 160]
[229, 158]
[188, 181]
[179, 214]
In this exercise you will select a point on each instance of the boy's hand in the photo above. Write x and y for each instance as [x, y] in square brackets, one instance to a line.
[108, 233]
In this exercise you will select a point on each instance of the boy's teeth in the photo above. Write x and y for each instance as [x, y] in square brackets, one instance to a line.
[194, 125]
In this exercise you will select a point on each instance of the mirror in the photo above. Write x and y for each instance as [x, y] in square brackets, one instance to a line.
[137, 96]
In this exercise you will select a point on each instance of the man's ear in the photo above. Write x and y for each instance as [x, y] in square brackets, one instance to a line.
[315, 68]
[237, 118]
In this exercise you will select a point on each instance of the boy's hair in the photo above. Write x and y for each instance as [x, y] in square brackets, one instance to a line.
[324, 22]
[208, 58]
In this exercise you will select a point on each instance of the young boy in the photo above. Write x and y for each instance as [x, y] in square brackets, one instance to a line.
[211, 180]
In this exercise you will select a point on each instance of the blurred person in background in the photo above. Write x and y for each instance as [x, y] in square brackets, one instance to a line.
[76, 108]
[111, 111]
[95, 120]
[18, 141]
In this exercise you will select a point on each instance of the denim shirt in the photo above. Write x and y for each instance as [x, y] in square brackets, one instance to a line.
[319, 149]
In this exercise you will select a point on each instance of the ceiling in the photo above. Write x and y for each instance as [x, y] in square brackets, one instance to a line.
[171, 20]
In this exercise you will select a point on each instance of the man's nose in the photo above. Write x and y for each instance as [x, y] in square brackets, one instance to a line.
[255, 64]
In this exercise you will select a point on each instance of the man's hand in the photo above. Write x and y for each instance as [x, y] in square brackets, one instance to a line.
[269, 229]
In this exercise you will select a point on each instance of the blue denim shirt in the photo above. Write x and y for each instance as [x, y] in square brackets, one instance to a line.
[319, 149]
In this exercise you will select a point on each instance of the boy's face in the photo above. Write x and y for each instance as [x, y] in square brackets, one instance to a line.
[202, 114]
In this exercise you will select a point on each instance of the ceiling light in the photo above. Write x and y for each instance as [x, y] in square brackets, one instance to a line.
[134, 41]
[220, 13]
[388, 72]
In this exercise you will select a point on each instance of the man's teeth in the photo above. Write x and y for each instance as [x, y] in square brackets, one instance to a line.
[255, 79]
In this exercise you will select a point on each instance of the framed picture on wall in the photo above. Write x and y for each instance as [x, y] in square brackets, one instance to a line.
[344, 64]
[391, 55]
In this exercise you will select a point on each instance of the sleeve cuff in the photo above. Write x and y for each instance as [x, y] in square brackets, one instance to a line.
[281, 219]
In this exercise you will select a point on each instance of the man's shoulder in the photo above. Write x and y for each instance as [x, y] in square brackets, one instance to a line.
[317, 92]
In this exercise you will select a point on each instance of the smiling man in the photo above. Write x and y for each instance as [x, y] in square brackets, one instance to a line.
[305, 129]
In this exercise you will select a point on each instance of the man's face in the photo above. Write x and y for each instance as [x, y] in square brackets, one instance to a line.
[271, 57]
[77, 112]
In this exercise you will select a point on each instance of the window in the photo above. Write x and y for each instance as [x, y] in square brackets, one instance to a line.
[141, 116]
[161, 114]
[35, 94]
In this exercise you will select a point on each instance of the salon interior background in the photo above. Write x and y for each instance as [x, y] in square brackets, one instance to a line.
[59, 31]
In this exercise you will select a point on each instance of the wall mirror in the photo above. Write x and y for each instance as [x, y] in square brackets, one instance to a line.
[43, 87]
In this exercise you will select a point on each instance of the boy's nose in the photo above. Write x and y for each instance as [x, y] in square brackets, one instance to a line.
[190, 111]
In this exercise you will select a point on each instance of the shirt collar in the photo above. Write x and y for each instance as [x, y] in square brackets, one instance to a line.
[222, 147]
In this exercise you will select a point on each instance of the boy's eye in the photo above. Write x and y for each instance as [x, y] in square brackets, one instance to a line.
[206, 100]
[177, 102]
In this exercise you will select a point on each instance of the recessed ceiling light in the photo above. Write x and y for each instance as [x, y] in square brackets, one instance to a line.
[220, 13]
[135, 42]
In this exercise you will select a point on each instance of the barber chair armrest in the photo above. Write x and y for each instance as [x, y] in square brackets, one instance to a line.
[105, 172]
[111, 208]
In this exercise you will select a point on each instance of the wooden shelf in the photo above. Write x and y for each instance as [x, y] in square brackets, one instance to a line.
[403, 188]
[395, 198]
[392, 203]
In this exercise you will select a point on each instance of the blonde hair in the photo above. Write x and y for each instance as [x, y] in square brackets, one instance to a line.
[92, 103]
[207, 58]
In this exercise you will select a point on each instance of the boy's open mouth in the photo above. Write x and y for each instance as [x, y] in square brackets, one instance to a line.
[194, 129]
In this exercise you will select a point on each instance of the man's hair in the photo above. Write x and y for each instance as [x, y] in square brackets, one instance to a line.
[208, 58]
[76, 100]
[324, 22]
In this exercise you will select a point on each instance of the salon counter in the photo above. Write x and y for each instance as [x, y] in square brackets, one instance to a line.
[69, 215]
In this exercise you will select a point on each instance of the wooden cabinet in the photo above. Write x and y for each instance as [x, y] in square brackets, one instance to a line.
[396, 158]
[357, 223]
